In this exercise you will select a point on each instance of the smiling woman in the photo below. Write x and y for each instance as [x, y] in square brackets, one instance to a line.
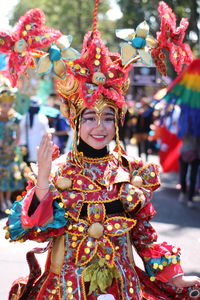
[93, 206]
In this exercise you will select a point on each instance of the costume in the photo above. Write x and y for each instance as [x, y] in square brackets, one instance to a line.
[76, 242]
[11, 163]
[98, 203]
[11, 166]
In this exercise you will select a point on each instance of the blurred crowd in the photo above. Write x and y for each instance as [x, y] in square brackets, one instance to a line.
[142, 128]
[20, 135]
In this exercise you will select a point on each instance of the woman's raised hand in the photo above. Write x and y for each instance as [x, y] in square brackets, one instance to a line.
[44, 156]
[44, 160]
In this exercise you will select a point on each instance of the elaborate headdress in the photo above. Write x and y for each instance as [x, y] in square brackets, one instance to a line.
[96, 77]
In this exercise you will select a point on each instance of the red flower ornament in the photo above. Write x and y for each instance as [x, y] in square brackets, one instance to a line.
[171, 38]
[29, 35]
[99, 71]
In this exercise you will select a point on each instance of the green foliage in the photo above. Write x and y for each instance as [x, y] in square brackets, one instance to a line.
[100, 276]
[136, 11]
[73, 17]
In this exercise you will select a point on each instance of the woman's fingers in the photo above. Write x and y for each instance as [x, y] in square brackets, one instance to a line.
[45, 148]
[186, 281]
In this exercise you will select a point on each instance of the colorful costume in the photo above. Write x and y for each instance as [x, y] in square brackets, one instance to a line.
[98, 203]
[95, 222]
[11, 166]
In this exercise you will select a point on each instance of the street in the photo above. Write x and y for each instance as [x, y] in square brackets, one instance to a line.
[175, 223]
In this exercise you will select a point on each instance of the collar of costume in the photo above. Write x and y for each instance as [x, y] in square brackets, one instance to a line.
[91, 152]
[73, 181]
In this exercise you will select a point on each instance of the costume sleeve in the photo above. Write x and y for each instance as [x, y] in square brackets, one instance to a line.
[161, 261]
[48, 219]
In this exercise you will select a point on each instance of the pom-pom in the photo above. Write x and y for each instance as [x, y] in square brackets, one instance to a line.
[63, 183]
[96, 230]
[136, 181]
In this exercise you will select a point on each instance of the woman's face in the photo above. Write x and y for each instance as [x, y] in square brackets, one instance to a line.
[97, 129]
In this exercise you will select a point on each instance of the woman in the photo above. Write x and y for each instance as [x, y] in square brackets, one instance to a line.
[11, 166]
[91, 205]
[93, 208]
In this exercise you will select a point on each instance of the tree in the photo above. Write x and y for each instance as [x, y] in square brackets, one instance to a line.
[136, 11]
[73, 17]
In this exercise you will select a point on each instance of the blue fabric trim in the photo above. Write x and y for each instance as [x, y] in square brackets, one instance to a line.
[14, 220]
[159, 260]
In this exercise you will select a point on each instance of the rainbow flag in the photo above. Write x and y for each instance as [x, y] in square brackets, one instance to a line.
[185, 92]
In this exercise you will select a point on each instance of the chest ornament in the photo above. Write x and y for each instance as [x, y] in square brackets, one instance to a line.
[63, 183]
[96, 234]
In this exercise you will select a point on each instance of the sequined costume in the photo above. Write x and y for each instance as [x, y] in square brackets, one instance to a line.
[97, 206]
[96, 218]
[11, 164]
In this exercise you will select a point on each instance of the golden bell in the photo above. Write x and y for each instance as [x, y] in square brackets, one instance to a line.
[96, 230]
[63, 183]
[137, 181]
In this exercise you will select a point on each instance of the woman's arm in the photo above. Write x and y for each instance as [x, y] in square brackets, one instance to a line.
[161, 260]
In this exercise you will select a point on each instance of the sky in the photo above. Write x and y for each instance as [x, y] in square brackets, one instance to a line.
[7, 6]
[5, 9]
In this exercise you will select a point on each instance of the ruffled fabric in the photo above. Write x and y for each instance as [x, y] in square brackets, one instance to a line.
[158, 257]
[134, 198]
[161, 261]
[16, 230]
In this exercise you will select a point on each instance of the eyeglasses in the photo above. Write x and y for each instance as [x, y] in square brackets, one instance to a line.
[95, 121]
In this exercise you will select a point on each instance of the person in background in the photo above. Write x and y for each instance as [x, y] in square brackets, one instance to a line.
[189, 163]
[60, 127]
[142, 126]
[33, 126]
[11, 164]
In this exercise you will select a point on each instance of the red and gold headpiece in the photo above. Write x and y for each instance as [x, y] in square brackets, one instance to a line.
[96, 76]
